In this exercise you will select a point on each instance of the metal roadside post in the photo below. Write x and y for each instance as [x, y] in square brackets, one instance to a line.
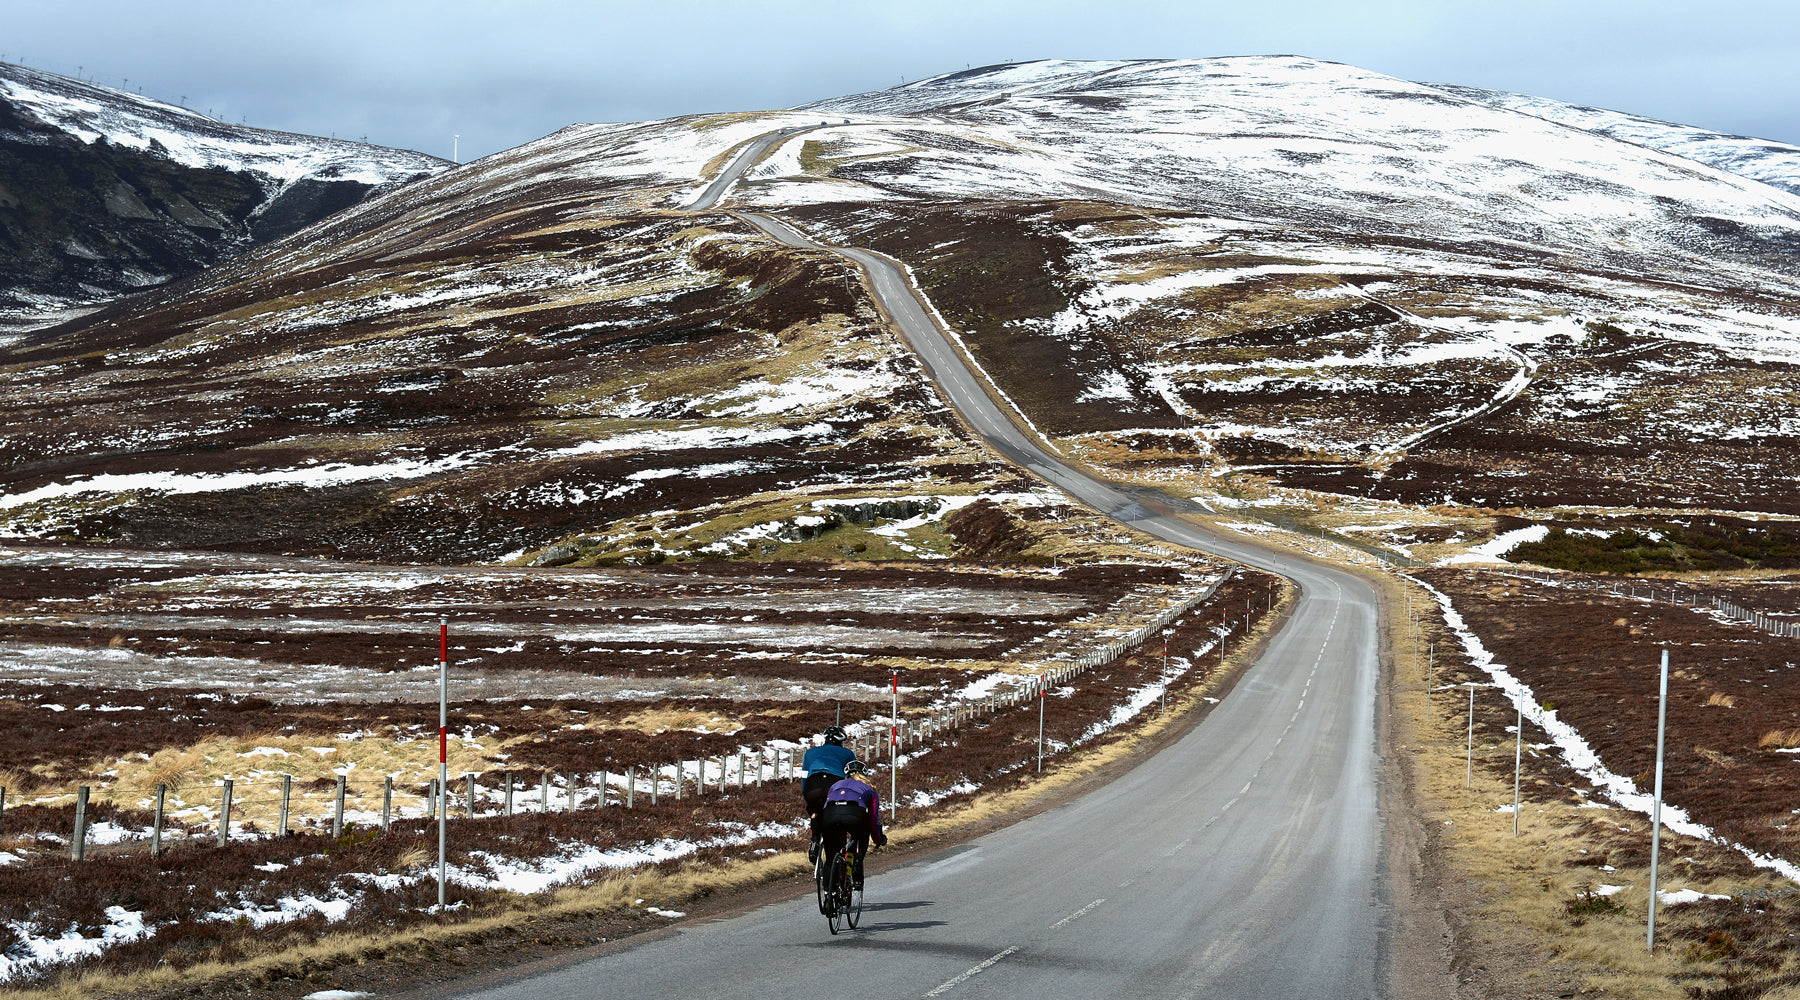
[1469, 774]
[1662, 723]
[443, 753]
[1430, 678]
[1518, 758]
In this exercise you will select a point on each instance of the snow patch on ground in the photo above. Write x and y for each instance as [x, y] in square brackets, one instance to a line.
[1493, 551]
[1575, 751]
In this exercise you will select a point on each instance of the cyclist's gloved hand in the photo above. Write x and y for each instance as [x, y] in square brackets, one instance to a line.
[881, 841]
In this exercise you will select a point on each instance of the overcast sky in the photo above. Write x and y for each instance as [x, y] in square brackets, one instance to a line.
[502, 72]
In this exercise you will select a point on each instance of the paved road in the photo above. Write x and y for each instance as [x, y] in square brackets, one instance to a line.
[740, 163]
[1240, 863]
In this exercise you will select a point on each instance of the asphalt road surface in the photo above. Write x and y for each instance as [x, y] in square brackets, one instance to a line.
[1240, 862]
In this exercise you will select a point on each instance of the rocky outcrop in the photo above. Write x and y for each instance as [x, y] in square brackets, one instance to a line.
[103, 193]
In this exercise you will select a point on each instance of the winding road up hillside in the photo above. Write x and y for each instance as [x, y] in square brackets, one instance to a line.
[1240, 862]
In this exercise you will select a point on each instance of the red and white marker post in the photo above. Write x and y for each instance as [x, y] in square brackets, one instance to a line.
[443, 788]
[894, 753]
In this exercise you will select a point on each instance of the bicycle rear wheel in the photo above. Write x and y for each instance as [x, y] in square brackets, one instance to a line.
[822, 881]
[834, 897]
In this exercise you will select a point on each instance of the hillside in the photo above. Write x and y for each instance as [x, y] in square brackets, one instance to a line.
[1281, 286]
[104, 192]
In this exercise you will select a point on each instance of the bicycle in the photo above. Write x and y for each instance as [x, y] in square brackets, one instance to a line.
[834, 879]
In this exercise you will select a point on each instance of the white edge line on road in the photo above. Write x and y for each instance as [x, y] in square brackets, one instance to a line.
[1071, 918]
[1009, 950]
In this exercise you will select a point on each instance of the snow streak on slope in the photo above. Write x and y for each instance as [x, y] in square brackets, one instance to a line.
[1773, 163]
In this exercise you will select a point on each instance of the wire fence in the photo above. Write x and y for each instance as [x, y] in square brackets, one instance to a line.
[1763, 621]
[352, 804]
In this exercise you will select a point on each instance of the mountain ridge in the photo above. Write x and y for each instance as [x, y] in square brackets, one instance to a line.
[104, 193]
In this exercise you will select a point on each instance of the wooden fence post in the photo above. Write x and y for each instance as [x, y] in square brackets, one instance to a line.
[630, 785]
[2, 808]
[337, 815]
[509, 783]
[470, 778]
[162, 792]
[544, 794]
[225, 813]
[287, 791]
[78, 843]
[387, 803]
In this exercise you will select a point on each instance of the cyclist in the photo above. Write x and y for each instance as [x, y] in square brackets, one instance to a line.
[852, 809]
[824, 767]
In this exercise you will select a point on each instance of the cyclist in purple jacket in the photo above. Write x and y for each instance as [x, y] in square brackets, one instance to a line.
[852, 809]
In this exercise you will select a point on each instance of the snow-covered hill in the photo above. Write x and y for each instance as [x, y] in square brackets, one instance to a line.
[103, 191]
[1300, 142]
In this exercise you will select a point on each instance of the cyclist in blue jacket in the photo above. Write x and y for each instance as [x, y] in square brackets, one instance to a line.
[824, 767]
[852, 809]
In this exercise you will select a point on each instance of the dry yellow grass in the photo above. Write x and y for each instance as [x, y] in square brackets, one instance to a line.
[661, 720]
[1782, 738]
[256, 764]
[1521, 929]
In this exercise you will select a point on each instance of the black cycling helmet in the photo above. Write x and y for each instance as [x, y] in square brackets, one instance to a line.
[836, 735]
[855, 767]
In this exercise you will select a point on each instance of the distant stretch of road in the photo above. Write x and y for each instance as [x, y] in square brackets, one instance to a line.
[1239, 863]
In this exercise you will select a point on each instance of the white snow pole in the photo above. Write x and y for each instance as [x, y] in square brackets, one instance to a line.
[894, 753]
[1662, 722]
[1469, 776]
[1518, 758]
[443, 750]
[456, 148]
[1430, 679]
